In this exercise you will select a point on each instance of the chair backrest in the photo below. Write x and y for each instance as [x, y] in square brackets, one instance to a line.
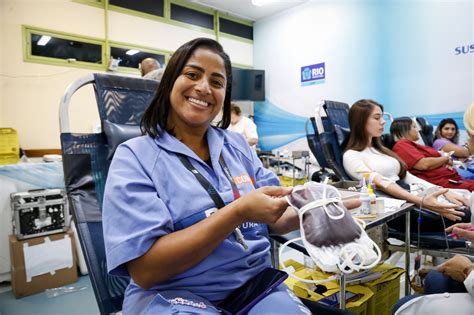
[338, 113]
[388, 140]
[314, 143]
[426, 131]
[332, 123]
[121, 102]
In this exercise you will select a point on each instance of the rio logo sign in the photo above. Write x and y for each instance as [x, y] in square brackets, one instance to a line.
[313, 74]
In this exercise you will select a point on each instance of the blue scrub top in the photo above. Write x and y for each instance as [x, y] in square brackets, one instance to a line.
[150, 193]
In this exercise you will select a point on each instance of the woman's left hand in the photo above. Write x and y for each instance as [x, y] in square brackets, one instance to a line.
[457, 199]
[447, 210]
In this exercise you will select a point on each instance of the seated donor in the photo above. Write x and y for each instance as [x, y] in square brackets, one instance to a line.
[455, 275]
[175, 220]
[156, 74]
[364, 153]
[243, 125]
[424, 161]
[447, 139]
[148, 65]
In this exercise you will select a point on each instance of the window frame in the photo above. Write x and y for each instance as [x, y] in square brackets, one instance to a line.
[28, 30]
[94, 3]
[123, 45]
[234, 19]
[194, 7]
[167, 17]
[140, 14]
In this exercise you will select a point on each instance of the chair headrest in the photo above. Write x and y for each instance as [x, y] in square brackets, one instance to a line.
[425, 126]
[123, 99]
[118, 133]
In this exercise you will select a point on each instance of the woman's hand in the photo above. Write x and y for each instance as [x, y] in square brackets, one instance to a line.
[454, 267]
[447, 210]
[352, 203]
[457, 199]
[461, 231]
[450, 163]
[289, 221]
[263, 205]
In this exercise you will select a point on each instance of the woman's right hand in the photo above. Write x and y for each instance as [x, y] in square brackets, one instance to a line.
[447, 210]
[263, 205]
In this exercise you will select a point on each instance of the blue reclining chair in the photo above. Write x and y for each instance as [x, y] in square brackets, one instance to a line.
[121, 102]
[330, 128]
[314, 144]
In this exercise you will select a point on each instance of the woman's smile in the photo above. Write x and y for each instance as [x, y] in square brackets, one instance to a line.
[197, 102]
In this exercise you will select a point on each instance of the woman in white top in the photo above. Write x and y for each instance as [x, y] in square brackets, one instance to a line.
[243, 125]
[365, 153]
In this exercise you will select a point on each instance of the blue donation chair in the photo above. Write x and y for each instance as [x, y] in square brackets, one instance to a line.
[314, 144]
[121, 102]
[329, 129]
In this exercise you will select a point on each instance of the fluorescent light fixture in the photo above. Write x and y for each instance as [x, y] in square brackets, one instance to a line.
[260, 3]
[43, 40]
[132, 52]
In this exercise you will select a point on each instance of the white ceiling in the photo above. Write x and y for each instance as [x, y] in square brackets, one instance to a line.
[245, 8]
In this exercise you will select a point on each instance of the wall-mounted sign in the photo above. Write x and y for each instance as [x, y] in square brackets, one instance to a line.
[313, 74]
[464, 49]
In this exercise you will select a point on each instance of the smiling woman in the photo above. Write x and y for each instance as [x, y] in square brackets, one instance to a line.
[163, 187]
[197, 96]
[157, 114]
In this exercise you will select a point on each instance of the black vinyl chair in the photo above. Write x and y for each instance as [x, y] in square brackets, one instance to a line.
[121, 102]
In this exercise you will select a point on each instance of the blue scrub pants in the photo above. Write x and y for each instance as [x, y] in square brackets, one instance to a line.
[280, 301]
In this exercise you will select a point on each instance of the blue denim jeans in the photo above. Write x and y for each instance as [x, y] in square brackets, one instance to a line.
[437, 282]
